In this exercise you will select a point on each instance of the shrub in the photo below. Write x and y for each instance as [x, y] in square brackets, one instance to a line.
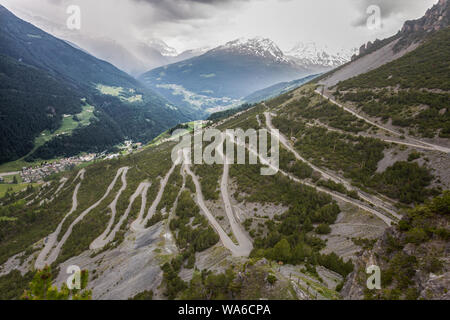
[416, 236]
[271, 279]
[323, 229]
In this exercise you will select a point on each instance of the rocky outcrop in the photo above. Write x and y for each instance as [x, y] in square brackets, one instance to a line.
[435, 19]
[428, 281]
[355, 285]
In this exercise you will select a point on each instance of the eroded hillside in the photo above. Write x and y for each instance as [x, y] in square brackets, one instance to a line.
[141, 223]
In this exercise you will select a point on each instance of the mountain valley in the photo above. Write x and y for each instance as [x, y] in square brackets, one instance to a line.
[362, 179]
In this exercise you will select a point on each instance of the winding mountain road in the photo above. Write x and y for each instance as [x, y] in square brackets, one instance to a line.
[259, 120]
[101, 241]
[236, 250]
[140, 191]
[63, 182]
[50, 241]
[5, 174]
[245, 244]
[335, 195]
[140, 223]
[369, 198]
[55, 253]
[417, 143]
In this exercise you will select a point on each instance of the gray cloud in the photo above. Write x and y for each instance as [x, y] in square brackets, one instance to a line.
[189, 24]
[389, 8]
[178, 10]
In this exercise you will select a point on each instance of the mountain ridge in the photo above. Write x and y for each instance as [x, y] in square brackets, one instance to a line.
[80, 75]
[318, 57]
[258, 46]
[221, 77]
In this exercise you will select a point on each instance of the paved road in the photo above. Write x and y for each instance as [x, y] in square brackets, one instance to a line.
[369, 198]
[5, 174]
[101, 241]
[237, 251]
[423, 147]
[140, 191]
[41, 260]
[140, 225]
[63, 182]
[243, 240]
[408, 144]
[259, 120]
[417, 143]
[55, 253]
[335, 195]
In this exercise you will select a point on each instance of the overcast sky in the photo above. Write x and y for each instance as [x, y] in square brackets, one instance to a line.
[188, 24]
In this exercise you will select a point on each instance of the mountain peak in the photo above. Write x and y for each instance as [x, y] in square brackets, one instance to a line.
[162, 47]
[435, 19]
[257, 46]
[313, 54]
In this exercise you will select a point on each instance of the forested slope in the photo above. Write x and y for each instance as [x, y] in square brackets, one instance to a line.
[44, 78]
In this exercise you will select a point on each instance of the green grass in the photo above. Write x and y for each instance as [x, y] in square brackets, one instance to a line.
[135, 98]
[426, 67]
[7, 219]
[110, 91]
[13, 187]
[19, 164]
[166, 135]
[68, 125]
[127, 95]
[10, 179]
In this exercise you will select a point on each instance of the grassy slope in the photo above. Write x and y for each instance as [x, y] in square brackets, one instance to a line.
[426, 67]
[68, 125]
[413, 90]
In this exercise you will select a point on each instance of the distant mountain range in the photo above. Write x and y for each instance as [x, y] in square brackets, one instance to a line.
[319, 58]
[277, 89]
[45, 80]
[139, 56]
[224, 76]
[134, 56]
[70, 79]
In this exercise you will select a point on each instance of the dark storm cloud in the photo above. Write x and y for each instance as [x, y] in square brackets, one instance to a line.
[191, 24]
[187, 9]
[388, 8]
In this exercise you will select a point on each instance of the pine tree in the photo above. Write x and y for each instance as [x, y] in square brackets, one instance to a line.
[41, 288]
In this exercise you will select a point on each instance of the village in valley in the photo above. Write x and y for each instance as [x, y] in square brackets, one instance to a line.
[38, 172]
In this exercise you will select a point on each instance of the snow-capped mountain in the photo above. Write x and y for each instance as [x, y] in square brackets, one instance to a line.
[223, 76]
[162, 47]
[314, 56]
[310, 55]
[133, 56]
[256, 47]
[188, 54]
